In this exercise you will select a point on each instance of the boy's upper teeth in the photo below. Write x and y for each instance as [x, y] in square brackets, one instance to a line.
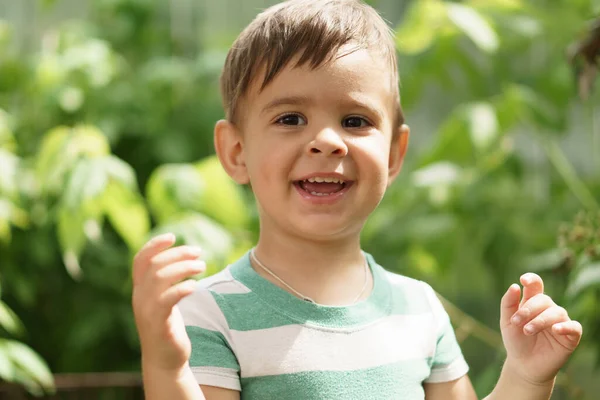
[318, 179]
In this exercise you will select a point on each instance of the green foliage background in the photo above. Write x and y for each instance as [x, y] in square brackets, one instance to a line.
[106, 140]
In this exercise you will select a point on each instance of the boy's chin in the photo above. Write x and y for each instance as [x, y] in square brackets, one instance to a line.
[322, 229]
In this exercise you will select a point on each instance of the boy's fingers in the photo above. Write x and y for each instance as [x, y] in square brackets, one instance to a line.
[174, 294]
[509, 304]
[572, 330]
[173, 255]
[531, 309]
[532, 285]
[545, 320]
[152, 247]
[173, 273]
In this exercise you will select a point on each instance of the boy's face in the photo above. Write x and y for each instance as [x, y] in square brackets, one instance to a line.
[331, 123]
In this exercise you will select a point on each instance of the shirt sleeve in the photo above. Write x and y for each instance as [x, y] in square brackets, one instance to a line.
[213, 361]
[448, 363]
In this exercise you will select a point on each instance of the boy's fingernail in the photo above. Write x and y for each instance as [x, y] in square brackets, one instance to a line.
[166, 236]
[515, 320]
[529, 329]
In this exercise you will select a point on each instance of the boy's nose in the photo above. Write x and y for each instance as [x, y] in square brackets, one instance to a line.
[328, 142]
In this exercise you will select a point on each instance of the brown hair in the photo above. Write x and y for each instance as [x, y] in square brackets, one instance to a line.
[314, 30]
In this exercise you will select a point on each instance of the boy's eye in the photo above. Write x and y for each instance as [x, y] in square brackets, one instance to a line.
[292, 120]
[355, 122]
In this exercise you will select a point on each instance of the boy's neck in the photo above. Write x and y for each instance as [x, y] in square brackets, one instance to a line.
[329, 272]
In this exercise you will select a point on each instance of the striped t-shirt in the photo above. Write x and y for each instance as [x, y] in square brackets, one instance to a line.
[250, 335]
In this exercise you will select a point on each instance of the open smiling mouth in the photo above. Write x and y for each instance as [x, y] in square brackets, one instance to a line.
[322, 186]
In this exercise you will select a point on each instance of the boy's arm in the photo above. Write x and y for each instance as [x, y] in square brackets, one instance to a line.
[217, 393]
[459, 389]
[181, 386]
[508, 387]
[169, 385]
[158, 269]
[539, 337]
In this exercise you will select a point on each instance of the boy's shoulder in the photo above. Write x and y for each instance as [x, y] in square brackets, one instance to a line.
[412, 296]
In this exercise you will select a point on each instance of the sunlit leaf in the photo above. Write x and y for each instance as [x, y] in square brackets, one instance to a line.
[420, 26]
[588, 277]
[86, 182]
[423, 261]
[8, 172]
[88, 140]
[9, 321]
[7, 368]
[442, 173]
[5, 33]
[71, 237]
[62, 147]
[119, 170]
[71, 99]
[36, 373]
[7, 140]
[453, 143]
[127, 213]
[173, 190]
[221, 198]
[473, 25]
[483, 125]
[5, 234]
[546, 261]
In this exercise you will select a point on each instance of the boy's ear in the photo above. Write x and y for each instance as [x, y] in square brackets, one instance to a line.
[229, 146]
[397, 152]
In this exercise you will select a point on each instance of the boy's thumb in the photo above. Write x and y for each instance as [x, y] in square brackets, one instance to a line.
[509, 304]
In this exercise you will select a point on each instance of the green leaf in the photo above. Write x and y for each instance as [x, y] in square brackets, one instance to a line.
[420, 27]
[71, 237]
[221, 198]
[7, 368]
[7, 139]
[60, 150]
[127, 213]
[8, 173]
[51, 165]
[35, 374]
[173, 190]
[483, 125]
[453, 143]
[5, 232]
[472, 24]
[86, 182]
[80, 204]
[119, 170]
[546, 261]
[9, 321]
[588, 277]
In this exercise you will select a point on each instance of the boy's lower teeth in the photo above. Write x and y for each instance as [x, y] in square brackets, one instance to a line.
[319, 194]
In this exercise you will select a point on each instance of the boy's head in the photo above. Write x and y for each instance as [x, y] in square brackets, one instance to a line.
[310, 90]
[303, 32]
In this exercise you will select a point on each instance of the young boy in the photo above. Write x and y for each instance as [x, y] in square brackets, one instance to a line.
[314, 124]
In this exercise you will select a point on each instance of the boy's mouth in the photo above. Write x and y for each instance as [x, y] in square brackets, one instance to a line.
[322, 186]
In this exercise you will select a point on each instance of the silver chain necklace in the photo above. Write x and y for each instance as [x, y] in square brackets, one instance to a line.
[297, 293]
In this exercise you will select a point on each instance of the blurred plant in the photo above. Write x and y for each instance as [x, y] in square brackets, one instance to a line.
[18, 362]
[106, 140]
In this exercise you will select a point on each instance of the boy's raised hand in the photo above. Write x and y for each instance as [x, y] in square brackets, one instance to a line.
[538, 335]
[158, 269]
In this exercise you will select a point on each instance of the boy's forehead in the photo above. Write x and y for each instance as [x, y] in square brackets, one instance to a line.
[350, 71]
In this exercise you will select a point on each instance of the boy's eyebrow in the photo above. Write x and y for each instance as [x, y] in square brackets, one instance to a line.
[364, 104]
[285, 101]
[304, 100]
